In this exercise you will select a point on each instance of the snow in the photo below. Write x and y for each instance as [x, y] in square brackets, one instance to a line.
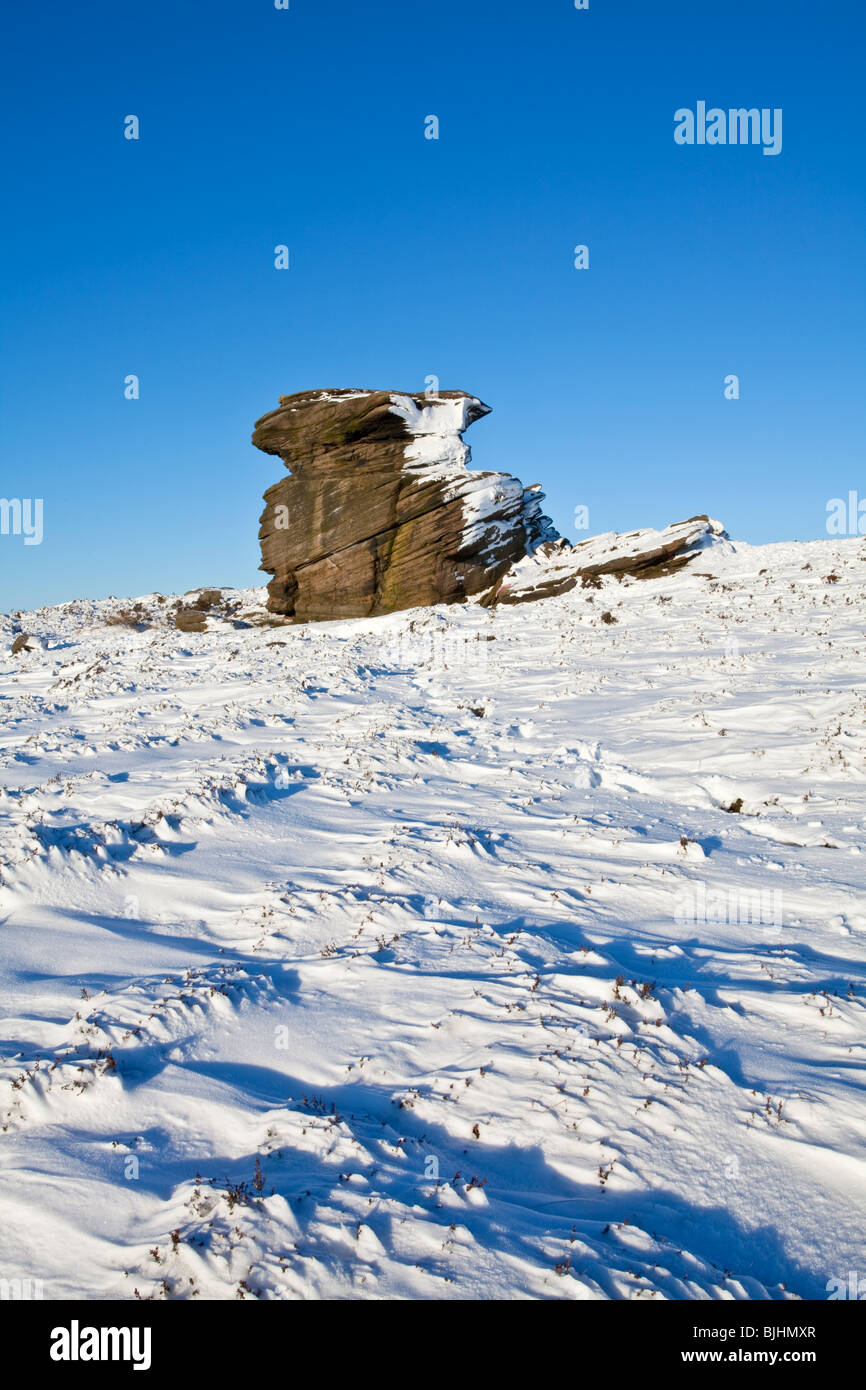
[556, 562]
[492, 502]
[437, 429]
[464, 953]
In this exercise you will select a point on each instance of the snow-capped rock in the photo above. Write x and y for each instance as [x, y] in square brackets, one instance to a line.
[555, 567]
[381, 511]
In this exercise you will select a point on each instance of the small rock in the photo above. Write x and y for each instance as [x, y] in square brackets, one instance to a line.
[190, 620]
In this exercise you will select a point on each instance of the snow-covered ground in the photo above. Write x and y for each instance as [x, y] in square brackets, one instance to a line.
[420, 957]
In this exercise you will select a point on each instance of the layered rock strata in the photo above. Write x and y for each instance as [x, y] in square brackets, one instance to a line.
[379, 511]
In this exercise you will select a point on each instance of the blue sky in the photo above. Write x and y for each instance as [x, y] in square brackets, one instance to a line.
[413, 257]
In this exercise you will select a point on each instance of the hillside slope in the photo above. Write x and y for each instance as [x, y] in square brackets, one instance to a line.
[512, 952]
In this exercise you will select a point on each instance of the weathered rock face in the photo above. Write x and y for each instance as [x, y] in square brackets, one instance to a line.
[380, 511]
[554, 567]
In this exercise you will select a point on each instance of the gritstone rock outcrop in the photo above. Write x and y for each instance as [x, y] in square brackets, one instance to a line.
[379, 512]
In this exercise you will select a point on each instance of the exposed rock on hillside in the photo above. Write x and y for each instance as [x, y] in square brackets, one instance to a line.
[380, 511]
[555, 567]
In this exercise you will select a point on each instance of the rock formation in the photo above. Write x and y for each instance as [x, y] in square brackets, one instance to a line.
[555, 567]
[379, 512]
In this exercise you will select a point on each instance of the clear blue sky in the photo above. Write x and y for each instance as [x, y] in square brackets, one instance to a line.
[412, 257]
